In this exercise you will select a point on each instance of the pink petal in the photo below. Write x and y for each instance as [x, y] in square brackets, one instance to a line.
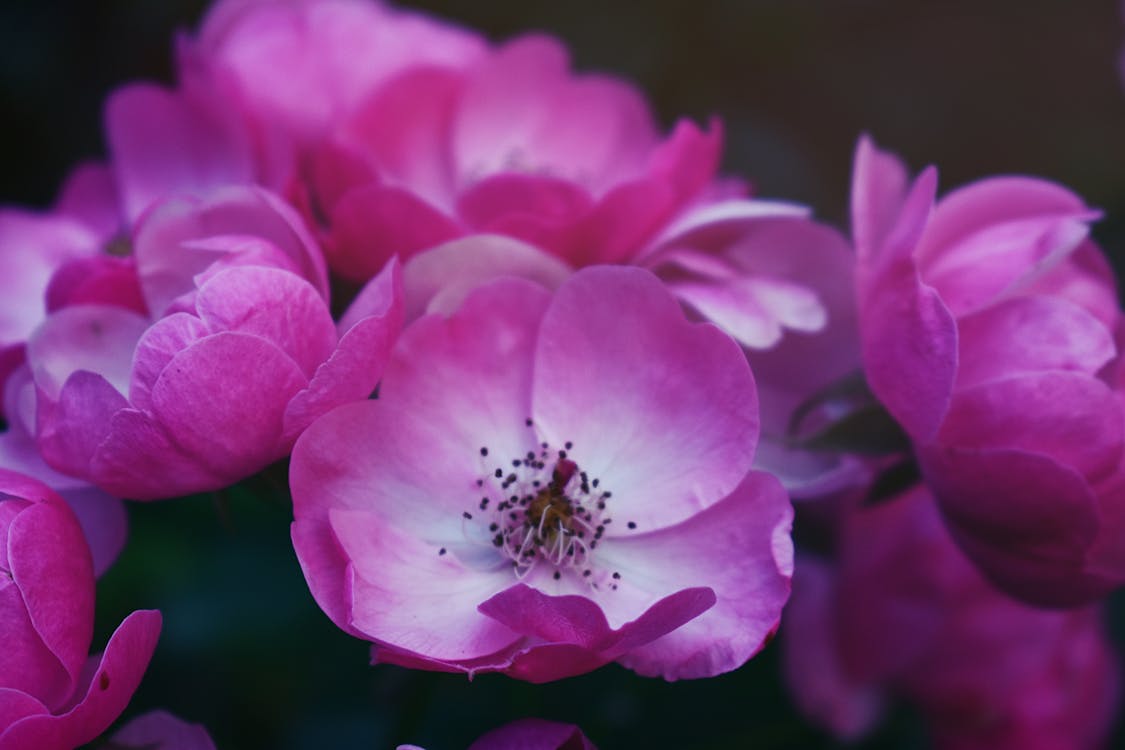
[1036, 548]
[166, 142]
[157, 348]
[577, 622]
[274, 305]
[406, 127]
[355, 367]
[167, 267]
[687, 160]
[70, 430]
[110, 687]
[407, 595]
[92, 338]
[438, 279]
[222, 401]
[1000, 259]
[453, 385]
[754, 310]
[879, 185]
[16, 705]
[103, 520]
[89, 195]
[33, 247]
[661, 410]
[534, 734]
[96, 280]
[1030, 334]
[622, 222]
[995, 200]
[538, 209]
[160, 730]
[138, 460]
[373, 223]
[741, 548]
[820, 687]
[29, 667]
[51, 566]
[1071, 418]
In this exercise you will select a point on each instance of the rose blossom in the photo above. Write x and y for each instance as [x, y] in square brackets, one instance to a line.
[547, 483]
[239, 354]
[988, 323]
[51, 696]
[903, 612]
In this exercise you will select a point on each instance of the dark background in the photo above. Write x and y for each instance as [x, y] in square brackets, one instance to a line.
[976, 86]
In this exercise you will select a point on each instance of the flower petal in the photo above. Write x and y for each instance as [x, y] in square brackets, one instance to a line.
[741, 548]
[661, 410]
[100, 701]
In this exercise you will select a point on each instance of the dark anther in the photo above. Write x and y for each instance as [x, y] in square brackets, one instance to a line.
[484, 451]
[499, 473]
[631, 525]
[558, 575]
[441, 551]
[467, 516]
[617, 576]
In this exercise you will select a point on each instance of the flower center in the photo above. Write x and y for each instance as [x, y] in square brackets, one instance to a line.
[541, 508]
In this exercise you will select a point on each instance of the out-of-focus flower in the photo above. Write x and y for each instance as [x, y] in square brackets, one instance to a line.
[101, 516]
[546, 484]
[988, 327]
[529, 734]
[239, 355]
[904, 612]
[52, 697]
[160, 730]
[512, 143]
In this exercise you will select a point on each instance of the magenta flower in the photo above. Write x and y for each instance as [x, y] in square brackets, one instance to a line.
[101, 516]
[987, 323]
[510, 142]
[547, 484]
[903, 612]
[51, 696]
[240, 356]
[294, 69]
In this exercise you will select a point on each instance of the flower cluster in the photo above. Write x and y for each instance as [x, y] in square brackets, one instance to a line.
[548, 385]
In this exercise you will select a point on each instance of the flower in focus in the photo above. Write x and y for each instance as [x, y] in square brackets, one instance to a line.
[988, 327]
[903, 612]
[239, 354]
[547, 484]
[52, 697]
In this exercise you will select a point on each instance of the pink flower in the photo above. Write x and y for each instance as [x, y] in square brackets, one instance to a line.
[240, 355]
[292, 70]
[160, 730]
[51, 696]
[546, 484]
[988, 323]
[101, 516]
[904, 612]
[508, 142]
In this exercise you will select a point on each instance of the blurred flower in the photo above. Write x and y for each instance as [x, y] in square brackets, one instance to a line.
[160, 730]
[988, 327]
[903, 612]
[529, 734]
[239, 356]
[546, 484]
[52, 697]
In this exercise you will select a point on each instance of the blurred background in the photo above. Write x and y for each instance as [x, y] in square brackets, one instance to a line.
[977, 87]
